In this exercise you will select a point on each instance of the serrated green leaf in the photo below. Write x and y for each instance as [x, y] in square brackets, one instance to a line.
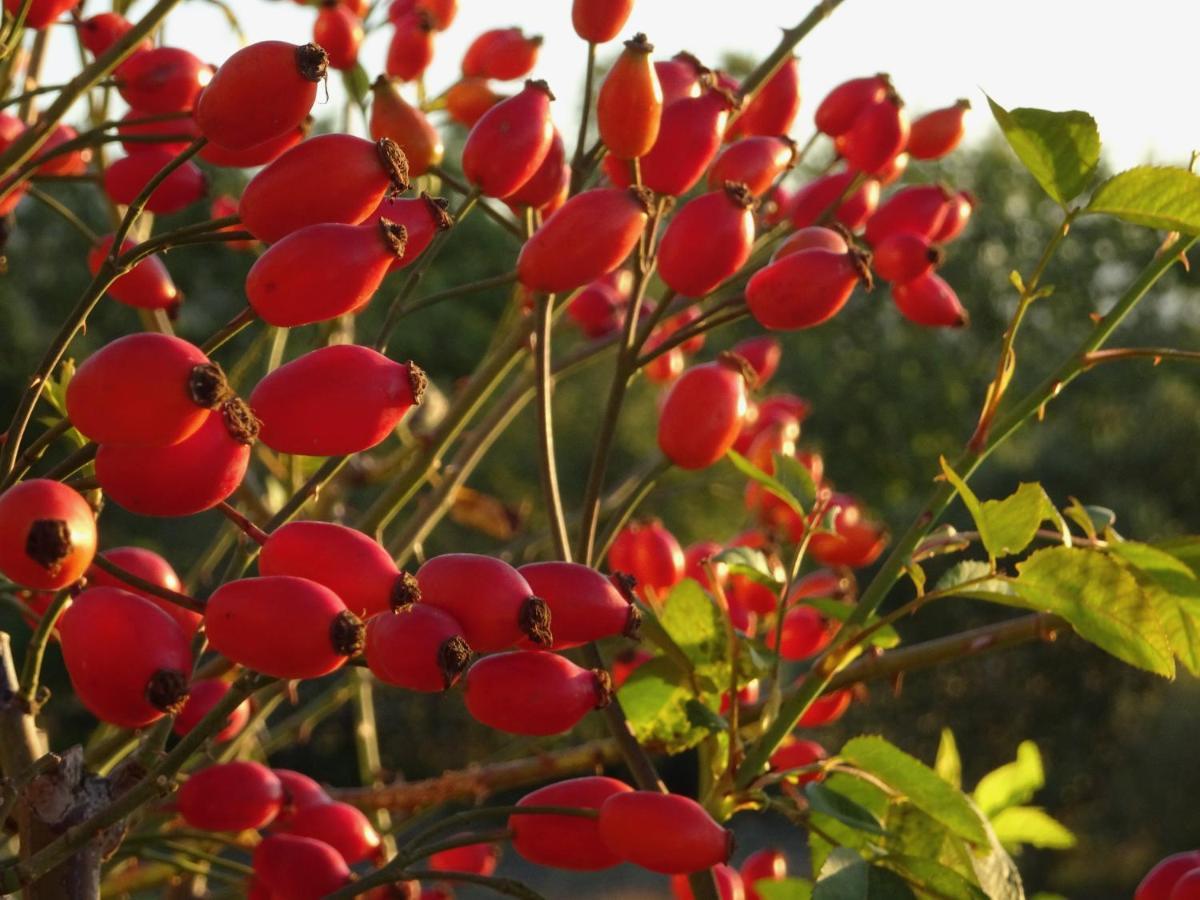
[1162, 197]
[750, 563]
[768, 482]
[856, 880]
[829, 802]
[655, 699]
[868, 796]
[1005, 526]
[1033, 826]
[995, 870]
[1186, 549]
[932, 878]
[948, 763]
[1171, 586]
[1013, 783]
[919, 783]
[1060, 149]
[783, 889]
[695, 624]
[1101, 599]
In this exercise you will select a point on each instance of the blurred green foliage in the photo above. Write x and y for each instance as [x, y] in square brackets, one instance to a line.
[888, 398]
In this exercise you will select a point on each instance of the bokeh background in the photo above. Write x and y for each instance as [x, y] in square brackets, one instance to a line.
[887, 397]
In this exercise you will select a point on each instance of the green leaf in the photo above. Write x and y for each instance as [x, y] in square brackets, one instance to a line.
[1032, 826]
[1186, 549]
[783, 889]
[948, 763]
[1162, 197]
[750, 563]
[1103, 602]
[868, 796]
[837, 806]
[358, 84]
[968, 573]
[995, 870]
[1060, 149]
[769, 482]
[1172, 588]
[919, 783]
[934, 879]
[845, 879]
[1013, 783]
[695, 624]
[796, 477]
[655, 699]
[1006, 526]
[702, 717]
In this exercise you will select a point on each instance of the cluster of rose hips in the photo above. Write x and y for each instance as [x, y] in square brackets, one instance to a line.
[1177, 877]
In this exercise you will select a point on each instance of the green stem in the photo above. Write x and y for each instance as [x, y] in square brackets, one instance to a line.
[31, 668]
[577, 164]
[545, 416]
[454, 293]
[65, 212]
[149, 587]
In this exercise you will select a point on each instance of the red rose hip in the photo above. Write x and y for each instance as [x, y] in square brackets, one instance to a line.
[703, 412]
[666, 833]
[584, 605]
[566, 842]
[707, 241]
[509, 142]
[490, 600]
[47, 534]
[534, 692]
[231, 796]
[419, 647]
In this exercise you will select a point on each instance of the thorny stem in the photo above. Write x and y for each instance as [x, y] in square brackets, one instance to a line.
[36, 450]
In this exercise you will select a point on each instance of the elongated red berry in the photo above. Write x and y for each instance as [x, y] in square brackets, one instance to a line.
[340, 32]
[419, 646]
[343, 827]
[773, 109]
[796, 753]
[903, 257]
[422, 218]
[144, 390]
[702, 414]
[810, 237]
[547, 182]
[680, 76]
[688, 140]
[878, 136]
[149, 566]
[501, 53]
[127, 177]
[729, 884]
[335, 400]
[184, 478]
[929, 300]
[490, 600]
[753, 161]
[243, 619]
[767, 864]
[99, 32]
[666, 833]
[509, 142]
[827, 708]
[648, 552]
[763, 353]
[294, 284]
[47, 534]
[260, 92]
[202, 697]
[259, 154]
[230, 796]
[599, 21]
[395, 118]
[630, 103]
[589, 236]
[411, 49]
[856, 540]
[467, 100]
[129, 662]
[162, 80]
[533, 692]
[351, 564]
[805, 633]
[584, 605]
[919, 209]
[829, 198]
[597, 309]
[291, 866]
[441, 12]
[841, 107]
[299, 792]
[1160, 881]
[478, 859]
[707, 241]
[804, 289]
[344, 176]
[566, 842]
[958, 213]
[935, 134]
[147, 285]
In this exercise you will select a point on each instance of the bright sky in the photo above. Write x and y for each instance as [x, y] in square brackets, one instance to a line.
[1132, 66]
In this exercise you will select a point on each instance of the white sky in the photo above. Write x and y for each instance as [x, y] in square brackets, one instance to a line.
[1132, 66]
